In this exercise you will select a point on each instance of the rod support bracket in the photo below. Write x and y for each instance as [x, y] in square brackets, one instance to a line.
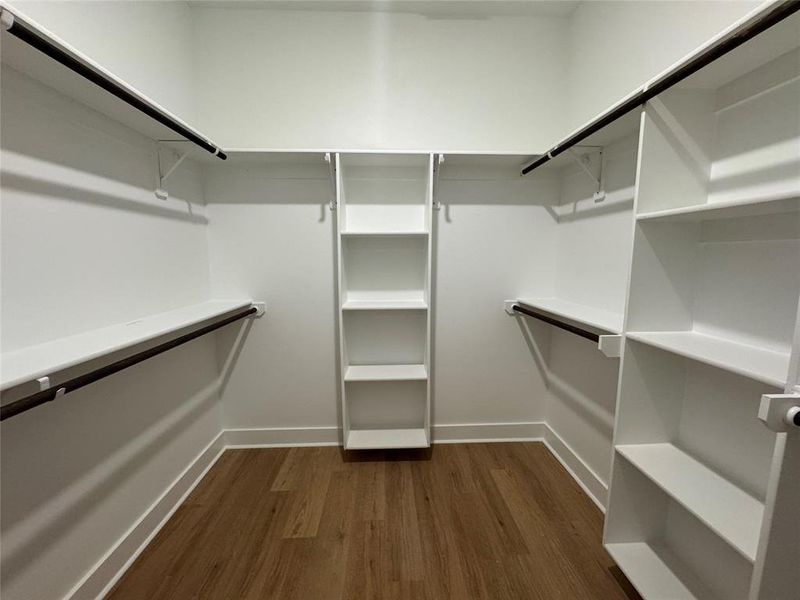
[584, 162]
[261, 309]
[437, 165]
[6, 19]
[332, 173]
[610, 345]
[161, 191]
[780, 412]
[508, 306]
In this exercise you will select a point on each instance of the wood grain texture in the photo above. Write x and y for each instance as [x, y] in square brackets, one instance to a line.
[494, 521]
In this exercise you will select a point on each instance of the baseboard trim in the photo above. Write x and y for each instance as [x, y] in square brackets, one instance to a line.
[592, 485]
[109, 569]
[276, 437]
[465, 433]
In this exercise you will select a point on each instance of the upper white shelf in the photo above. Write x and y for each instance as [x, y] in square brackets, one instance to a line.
[724, 210]
[28, 364]
[23, 57]
[727, 509]
[756, 363]
[386, 233]
[386, 373]
[596, 318]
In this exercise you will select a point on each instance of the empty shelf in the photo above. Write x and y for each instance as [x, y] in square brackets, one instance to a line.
[597, 318]
[764, 365]
[383, 233]
[376, 439]
[385, 373]
[653, 572]
[385, 305]
[724, 210]
[28, 364]
[727, 509]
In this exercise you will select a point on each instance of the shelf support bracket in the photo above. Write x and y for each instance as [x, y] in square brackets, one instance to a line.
[437, 166]
[261, 309]
[599, 180]
[332, 173]
[161, 192]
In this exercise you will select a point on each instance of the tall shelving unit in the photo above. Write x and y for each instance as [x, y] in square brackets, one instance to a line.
[384, 253]
[710, 326]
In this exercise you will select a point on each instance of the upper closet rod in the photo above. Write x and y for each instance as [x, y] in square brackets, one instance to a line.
[47, 395]
[710, 54]
[589, 335]
[15, 26]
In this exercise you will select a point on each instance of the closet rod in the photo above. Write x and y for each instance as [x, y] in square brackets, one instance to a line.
[48, 395]
[709, 55]
[560, 324]
[30, 36]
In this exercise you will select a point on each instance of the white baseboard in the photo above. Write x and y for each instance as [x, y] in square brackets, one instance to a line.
[589, 481]
[108, 570]
[113, 565]
[464, 433]
[275, 437]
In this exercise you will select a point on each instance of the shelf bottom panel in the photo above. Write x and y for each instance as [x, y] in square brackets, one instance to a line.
[657, 573]
[380, 439]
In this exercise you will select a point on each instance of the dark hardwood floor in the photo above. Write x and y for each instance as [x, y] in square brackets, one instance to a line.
[465, 521]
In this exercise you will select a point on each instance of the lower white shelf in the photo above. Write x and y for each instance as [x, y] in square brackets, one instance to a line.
[656, 573]
[384, 305]
[756, 363]
[385, 373]
[728, 510]
[378, 439]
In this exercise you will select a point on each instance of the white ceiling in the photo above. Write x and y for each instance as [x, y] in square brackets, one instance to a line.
[434, 8]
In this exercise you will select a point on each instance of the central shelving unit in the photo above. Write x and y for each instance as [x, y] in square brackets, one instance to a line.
[384, 288]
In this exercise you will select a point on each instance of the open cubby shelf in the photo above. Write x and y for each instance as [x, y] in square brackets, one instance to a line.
[384, 218]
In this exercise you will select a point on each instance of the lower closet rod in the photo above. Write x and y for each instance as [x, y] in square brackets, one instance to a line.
[28, 402]
[560, 324]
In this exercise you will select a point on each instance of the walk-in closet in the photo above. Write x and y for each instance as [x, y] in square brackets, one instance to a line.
[399, 299]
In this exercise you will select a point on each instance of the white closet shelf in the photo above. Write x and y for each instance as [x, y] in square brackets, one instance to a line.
[586, 315]
[28, 364]
[376, 439]
[761, 364]
[385, 305]
[651, 570]
[725, 210]
[35, 64]
[388, 233]
[386, 373]
[728, 510]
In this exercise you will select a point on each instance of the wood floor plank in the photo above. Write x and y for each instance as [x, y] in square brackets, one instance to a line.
[475, 521]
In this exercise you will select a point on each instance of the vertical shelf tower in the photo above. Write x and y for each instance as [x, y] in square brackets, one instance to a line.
[384, 288]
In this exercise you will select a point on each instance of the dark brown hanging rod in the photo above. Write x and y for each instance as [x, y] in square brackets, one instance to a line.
[589, 335]
[712, 53]
[42, 397]
[16, 27]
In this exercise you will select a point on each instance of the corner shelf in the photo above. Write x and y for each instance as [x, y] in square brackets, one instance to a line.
[651, 570]
[597, 318]
[380, 439]
[386, 373]
[727, 509]
[28, 364]
[763, 365]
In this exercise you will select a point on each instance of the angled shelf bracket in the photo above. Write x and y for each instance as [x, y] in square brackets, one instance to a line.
[331, 160]
[583, 161]
[163, 172]
[437, 166]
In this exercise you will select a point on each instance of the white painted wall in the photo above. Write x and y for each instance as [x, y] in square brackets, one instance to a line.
[616, 45]
[352, 80]
[84, 243]
[149, 44]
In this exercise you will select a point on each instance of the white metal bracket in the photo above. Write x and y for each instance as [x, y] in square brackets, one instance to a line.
[583, 161]
[332, 173]
[780, 412]
[44, 383]
[437, 167]
[261, 309]
[610, 345]
[161, 192]
[6, 19]
[508, 306]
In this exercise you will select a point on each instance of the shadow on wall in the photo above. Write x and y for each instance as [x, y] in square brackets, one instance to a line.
[66, 461]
